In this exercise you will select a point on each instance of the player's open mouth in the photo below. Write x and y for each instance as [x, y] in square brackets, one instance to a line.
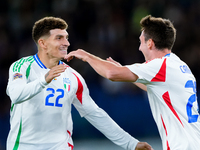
[64, 50]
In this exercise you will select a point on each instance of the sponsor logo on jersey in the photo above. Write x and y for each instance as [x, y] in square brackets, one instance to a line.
[67, 84]
[17, 76]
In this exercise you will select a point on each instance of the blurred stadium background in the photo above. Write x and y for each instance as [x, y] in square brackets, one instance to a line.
[104, 28]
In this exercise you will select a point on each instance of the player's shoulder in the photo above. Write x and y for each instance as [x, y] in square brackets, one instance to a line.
[161, 60]
[154, 63]
[22, 62]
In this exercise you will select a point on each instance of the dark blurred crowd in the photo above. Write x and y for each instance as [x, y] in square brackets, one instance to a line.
[102, 27]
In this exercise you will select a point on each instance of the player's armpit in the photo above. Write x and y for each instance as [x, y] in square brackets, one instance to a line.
[141, 86]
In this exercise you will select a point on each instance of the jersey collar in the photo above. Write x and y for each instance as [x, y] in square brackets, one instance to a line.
[167, 55]
[40, 63]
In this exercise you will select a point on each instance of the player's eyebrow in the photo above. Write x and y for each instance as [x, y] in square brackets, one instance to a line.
[60, 36]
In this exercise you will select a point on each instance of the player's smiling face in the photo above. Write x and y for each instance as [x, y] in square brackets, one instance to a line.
[57, 43]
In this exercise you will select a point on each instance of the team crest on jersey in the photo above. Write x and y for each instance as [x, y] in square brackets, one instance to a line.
[67, 84]
[17, 76]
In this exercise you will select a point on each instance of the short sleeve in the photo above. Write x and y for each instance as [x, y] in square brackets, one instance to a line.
[152, 71]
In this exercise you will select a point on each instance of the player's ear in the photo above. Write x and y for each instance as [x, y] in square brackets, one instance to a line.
[42, 43]
[150, 43]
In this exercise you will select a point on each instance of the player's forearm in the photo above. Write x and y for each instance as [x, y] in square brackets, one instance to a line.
[104, 68]
[107, 69]
[111, 130]
[21, 92]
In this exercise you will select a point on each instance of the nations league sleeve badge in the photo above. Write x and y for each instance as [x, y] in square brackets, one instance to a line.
[17, 76]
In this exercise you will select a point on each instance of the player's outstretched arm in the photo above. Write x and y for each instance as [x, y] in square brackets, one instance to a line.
[105, 68]
[102, 121]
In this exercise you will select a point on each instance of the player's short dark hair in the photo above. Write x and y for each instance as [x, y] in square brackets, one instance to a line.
[43, 26]
[160, 30]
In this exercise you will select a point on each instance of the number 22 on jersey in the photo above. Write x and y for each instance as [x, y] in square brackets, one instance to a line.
[51, 97]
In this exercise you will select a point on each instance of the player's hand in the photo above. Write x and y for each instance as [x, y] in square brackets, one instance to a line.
[80, 54]
[143, 146]
[55, 72]
[113, 61]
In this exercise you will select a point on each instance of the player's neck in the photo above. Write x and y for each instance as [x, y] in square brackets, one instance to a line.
[49, 62]
[160, 53]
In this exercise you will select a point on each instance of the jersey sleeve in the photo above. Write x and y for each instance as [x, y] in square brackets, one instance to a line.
[83, 101]
[152, 71]
[104, 123]
[99, 118]
[18, 88]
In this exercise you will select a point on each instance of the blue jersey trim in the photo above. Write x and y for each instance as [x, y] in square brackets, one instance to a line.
[167, 55]
[39, 61]
[60, 62]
